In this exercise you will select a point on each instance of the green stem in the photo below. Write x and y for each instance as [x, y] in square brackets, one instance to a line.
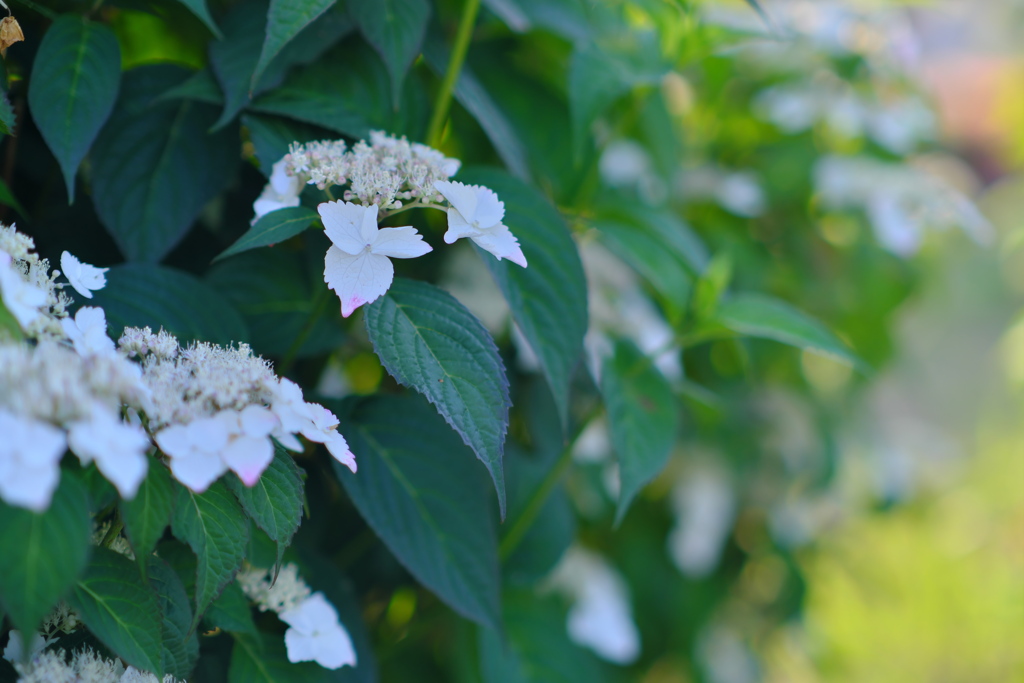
[444, 97]
[46, 12]
[330, 195]
[414, 205]
[540, 495]
[322, 296]
[113, 531]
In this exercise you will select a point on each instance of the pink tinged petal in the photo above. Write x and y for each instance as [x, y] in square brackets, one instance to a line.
[458, 227]
[248, 457]
[400, 243]
[333, 649]
[500, 241]
[300, 646]
[258, 421]
[357, 280]
[343, 223]
[197, 470]
[338, 448]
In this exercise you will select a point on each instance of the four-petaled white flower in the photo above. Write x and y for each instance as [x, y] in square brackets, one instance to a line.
[476, 213]
[82, 276]
[119, 448]
[204, 449]
[357, 266]
[22, 299]
[30, 453]
[316, 634]
[311, 420]
[88, 332]
[15, 652]
[282, 191]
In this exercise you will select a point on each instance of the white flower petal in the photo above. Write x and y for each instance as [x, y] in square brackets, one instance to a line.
[88, 332]
[357, 280]
[248, 457]
[268, 204]
[333, 649]
[479, 205]
[458, 227]
[345, 224]
[338, 448]
[284, 184]
[82, 276]
[500, 241]
[118, 448]
[300, 646]
[22, 299]
[257, 421]
[197, 470]
[313, 614]
[30, 486]
[400, 243]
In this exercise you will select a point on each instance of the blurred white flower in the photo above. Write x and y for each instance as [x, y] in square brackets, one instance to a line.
[15, 650]
[476, 213]
[316, 634]
[30, 453]
[281, 192]
[88, 332]
[724, 657]
[278, 594]
[357, 265]
[21, 298]
[601, 617]
[738, 192]
[118, 448]
[704, 505]
[83, 277]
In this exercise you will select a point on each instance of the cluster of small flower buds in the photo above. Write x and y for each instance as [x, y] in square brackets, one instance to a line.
[29, 289]
[315, 632]
[83, 666]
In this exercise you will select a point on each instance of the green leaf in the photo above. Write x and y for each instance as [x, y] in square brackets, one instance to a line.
[642, 416]
[549, 298]
[274, 227]
[265, 660]
[121, 610]
[231, 611]
[419, 492]
[274, 502]
[44, 553]
[143, 295]
[332, 94]
[180, 643]
[272, 135]
[285, 20]
[7, 198]
[214, 526]
[7, 118]
[155, 166]
[429, 341]
[711, 285]
[275, 291]
[201, 86]
[538, 649]
[147, 515]
[758, 315]
[395, 28]
[198, 8]
[73, 89]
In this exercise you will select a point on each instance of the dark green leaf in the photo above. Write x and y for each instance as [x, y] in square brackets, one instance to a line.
[758, 315]
[333, 94]
[418, 490]
[274, 502]
[215, 527]
[198, 8]
[549, 298]
[272, 135]
[73, 89]
[44, 553]
[121, 610]
[275, 291]
[429, 341]
[180, 643]
[148, 514]
[274, 227]
[395, 28]
[155, 165]
[142, 295]
[285, 19]
[538, 649]
[7, 117]
[642, 416]
[265, 660]
[201, 86]
[711, 285]
[7, 198]
[231, 611]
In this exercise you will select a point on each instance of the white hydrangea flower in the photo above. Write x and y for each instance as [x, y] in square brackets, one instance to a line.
[83, 277]
[281, 192]
[316, 634]
[30, 453]
[21, 298]
[15, 650]
[133, 675]
[357, 266]
[46, 667]
[476, 213]
[703, 503]
[601, 617]
[311, 420]
[118, 448]
[88, 332]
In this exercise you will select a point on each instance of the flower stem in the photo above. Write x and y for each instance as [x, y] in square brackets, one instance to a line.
[444, 97]
[46, 12]
[414, 205]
